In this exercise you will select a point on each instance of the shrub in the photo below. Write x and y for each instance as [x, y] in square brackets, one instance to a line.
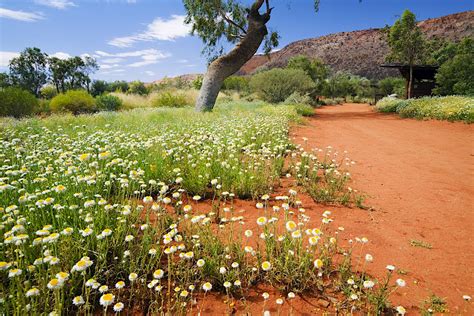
[298, 98]
[16, 102]
[74, 101]
[304, 109]
[237, 83]
[277, 84]
[48, 92]
[392, 85]
[108, 102]
[137, 87]
[197, 83]
[389, 104]
[451, 108]
[167, 99]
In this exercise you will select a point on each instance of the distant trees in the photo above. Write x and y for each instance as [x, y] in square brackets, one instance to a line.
[29, 71]
[406, 43]
[315, 68]
[72, 73]
[33, 69]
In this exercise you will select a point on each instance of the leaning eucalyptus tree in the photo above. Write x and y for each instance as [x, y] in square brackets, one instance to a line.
[245, 26]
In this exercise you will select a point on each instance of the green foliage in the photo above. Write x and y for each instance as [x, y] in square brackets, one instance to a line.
[99, 87]
[137, 87]
[298, 98]
[118, 86]
[197, 83]
[314, 68]
[389, 105]
[451, 108]
[236, 83]
[168, 99]
[107, 102]
[5, 80]
[29, 70]
[48, 92]
[16, 102]
[304, 109]
[392, 85]
[216, 21]
[72, 73]
[406, 41]
[343, 84]
[456, 74]
[74, 101]
[277, 84]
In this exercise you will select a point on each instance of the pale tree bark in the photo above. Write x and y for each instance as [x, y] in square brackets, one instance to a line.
[228, 64]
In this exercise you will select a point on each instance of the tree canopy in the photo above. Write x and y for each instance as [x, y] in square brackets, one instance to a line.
[30, 70]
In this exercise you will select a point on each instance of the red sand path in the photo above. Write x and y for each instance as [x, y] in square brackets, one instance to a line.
[419, 176]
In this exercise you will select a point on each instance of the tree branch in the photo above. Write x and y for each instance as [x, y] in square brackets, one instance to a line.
[257, 5]
[232, 22]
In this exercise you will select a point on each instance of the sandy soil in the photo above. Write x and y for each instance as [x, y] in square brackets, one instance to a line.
[419, 176]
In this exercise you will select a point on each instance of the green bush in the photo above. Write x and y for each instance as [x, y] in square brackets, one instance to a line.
[74, 101]
[107, 102]
[16, 102]
[392, 85]
[236, 83]
[389, 104]
[299, 98]
[332, 101]
[167, 99]
[304, 109]
[456, 75]
[48, 92]
[277, 84]
[451, 108]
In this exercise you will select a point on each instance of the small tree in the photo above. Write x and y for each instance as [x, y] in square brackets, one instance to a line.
[407, 44]
[98, 87]
[315, 68]
[137, 87]
[30, 70]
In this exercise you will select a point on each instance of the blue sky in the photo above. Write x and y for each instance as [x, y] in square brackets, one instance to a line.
[146, 39]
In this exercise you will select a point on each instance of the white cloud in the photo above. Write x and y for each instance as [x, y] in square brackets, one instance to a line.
[5, 58]
[159, 29]
[146, 57]
[112, 60]
[57, 4]
[107, 66]
[20, 15]
[149, 73]
[143, 63]
[61, 55]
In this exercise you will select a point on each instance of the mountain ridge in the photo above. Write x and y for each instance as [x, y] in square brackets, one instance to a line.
[360, 52]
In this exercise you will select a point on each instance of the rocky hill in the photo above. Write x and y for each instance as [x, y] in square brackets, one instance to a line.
[361, 52]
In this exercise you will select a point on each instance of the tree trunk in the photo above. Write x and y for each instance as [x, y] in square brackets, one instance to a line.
[410, 82]
[226, 65]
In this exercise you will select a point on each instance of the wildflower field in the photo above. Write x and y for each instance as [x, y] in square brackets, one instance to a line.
[136, 211]
[450, 108]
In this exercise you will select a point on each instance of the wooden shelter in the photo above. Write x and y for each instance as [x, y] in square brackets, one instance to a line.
[423, 78]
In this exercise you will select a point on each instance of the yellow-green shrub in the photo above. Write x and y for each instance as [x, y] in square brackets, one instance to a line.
[74, 101]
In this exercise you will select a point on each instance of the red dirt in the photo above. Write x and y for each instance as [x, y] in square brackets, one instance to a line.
[419, 176]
